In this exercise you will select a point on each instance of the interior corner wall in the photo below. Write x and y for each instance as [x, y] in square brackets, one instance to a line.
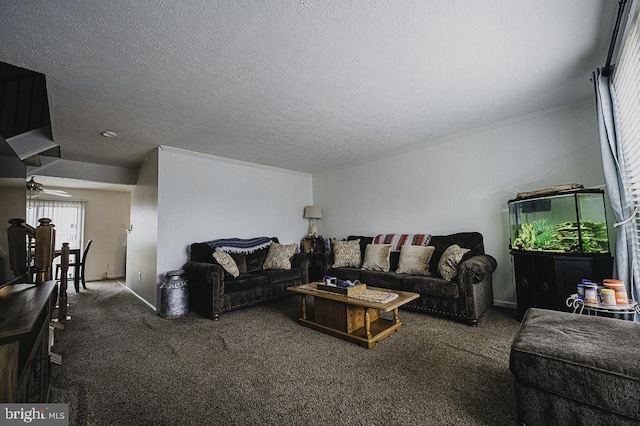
[142, 241]
[464, 183]
[203, 197]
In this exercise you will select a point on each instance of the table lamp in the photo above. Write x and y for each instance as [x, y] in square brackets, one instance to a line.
[312, 213]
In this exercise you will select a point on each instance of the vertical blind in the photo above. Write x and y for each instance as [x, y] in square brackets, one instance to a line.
[626, 81]
[67, 216]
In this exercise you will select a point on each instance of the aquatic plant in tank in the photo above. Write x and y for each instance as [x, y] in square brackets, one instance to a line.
[563, 237]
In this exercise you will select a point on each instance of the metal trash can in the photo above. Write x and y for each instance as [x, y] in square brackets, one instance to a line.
[174, 294]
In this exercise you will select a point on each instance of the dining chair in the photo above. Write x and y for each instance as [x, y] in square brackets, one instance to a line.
[83, 261]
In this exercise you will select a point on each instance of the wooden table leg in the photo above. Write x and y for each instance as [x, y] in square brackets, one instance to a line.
[367, 323]
[395, 316]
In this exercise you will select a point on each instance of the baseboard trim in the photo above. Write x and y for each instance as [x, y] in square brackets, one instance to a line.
[505, 304]
[107, 278]
[136, 295]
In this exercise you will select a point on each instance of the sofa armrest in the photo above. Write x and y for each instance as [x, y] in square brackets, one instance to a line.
[475, 283]
[206, 287]
[476, 269]
[301, 261]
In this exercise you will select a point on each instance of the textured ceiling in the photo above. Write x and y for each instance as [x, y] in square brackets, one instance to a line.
[305, 85]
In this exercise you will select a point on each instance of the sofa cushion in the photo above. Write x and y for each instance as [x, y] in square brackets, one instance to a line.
[448, 263]
[344, 274]
[275, 276]
[226, 261]
[241, 262]
[255, 259]
[244, 282]
[279, 256]
[471, 240]
[430, 286]
[346, 253]
[201, 252]
[376, 257]
[364, 241]
[389, 280]
[414, 260]
[394, 257]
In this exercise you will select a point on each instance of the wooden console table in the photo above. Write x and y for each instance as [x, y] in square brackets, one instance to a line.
[25, 313]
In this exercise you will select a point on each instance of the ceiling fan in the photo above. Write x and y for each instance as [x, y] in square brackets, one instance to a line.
[35, 189]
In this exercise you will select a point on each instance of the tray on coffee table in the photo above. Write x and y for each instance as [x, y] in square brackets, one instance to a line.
[346, 291]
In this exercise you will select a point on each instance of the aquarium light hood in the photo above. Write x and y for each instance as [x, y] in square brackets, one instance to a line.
[532, 206]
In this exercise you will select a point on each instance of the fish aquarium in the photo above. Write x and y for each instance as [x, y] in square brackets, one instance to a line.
[571, 221]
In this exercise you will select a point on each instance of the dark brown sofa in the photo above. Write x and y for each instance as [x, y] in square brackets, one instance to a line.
[213, 291]
[464, 298]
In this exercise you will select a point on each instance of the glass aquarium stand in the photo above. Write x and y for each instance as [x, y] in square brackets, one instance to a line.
[617, 311]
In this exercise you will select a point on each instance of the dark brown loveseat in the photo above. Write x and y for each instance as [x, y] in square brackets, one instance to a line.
[213, 291]
[465, 297]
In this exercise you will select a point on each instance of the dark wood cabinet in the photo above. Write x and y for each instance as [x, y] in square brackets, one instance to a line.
[24, 342]
[545, 280]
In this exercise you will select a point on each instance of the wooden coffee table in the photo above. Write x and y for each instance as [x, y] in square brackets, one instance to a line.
[349, 318]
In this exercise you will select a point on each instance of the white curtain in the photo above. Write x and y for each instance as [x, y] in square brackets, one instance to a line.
[626, 81]
[616, 180]
[67, 216]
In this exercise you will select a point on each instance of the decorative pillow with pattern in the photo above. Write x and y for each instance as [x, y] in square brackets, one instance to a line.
[226, 261]
[448, 263]
[399, 240]
[279, 256]
[414, 260]
[376, 257]
[346, 254]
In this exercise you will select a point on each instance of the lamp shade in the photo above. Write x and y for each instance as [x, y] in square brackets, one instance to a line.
[313, 212]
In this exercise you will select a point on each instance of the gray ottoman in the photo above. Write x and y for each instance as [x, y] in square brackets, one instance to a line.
[575, 369]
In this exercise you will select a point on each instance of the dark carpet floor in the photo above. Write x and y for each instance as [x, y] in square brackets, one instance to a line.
[123, 365]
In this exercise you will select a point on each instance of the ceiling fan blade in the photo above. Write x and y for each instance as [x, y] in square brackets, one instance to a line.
[34, 189]
[57, 193]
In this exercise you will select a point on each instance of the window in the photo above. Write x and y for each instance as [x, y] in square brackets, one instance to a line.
[67, 216]
[626, 80]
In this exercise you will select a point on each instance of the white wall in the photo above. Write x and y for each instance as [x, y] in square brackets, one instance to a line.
[142, 241]
[203, 197]
[464, 183]
[184, 197]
